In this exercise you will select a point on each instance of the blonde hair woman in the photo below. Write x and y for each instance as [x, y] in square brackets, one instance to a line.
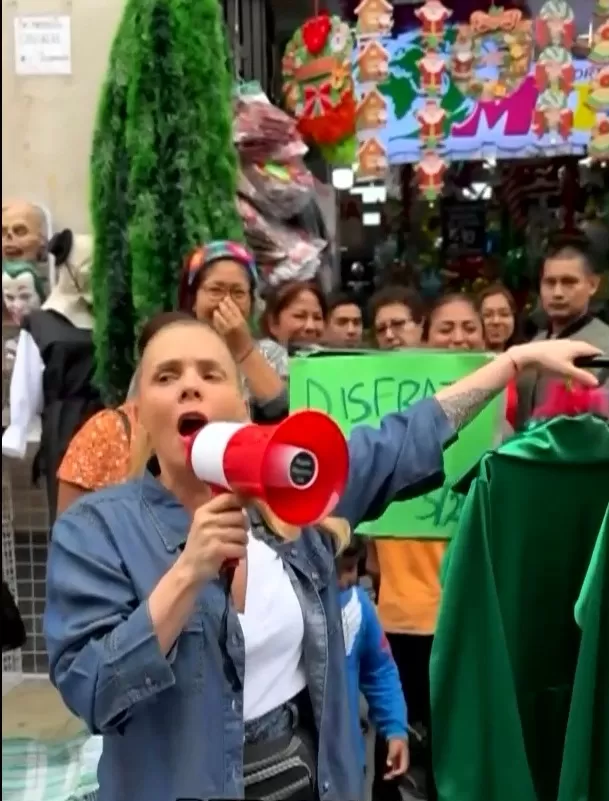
[195, 699]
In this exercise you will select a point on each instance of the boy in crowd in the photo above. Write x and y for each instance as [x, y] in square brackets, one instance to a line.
[370, 666]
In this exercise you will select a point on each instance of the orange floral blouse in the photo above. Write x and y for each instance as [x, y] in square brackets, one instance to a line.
[98, 454]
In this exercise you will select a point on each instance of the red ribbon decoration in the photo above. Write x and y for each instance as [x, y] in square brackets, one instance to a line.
[317, 100]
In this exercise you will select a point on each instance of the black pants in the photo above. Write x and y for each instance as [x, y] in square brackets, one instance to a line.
[411, 653]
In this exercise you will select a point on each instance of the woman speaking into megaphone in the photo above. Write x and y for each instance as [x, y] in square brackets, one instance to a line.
[194, 698]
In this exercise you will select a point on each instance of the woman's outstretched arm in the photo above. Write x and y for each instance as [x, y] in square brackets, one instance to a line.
[403, 458]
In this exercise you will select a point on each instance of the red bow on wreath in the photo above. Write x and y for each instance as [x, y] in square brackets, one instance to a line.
[317, 100]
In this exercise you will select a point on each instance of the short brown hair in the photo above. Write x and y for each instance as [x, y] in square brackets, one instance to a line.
[389, 295]
[280, 297]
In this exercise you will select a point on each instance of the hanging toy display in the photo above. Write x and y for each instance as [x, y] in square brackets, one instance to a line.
[430, 173]
[598, 98]
[491, 55]
[554, 74]
[318, 86]
[433, 16]
[374, 21]
[431, 117]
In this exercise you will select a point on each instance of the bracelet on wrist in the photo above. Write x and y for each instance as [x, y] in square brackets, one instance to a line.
[246, 355]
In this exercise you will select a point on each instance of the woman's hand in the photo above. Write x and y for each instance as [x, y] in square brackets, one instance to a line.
[232, 326]
[556, 356]
[218, 534]
[398, 757]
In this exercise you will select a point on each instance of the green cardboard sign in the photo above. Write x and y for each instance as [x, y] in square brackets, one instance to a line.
[363, 387]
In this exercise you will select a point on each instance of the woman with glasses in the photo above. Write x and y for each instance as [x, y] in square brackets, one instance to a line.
[218, 285]
[396, 315]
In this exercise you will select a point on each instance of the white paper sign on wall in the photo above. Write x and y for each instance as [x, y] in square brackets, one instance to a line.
[43, 45]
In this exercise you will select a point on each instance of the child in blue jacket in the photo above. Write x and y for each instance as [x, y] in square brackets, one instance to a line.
[370, 666]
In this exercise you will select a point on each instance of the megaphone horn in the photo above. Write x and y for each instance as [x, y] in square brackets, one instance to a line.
[299, 467]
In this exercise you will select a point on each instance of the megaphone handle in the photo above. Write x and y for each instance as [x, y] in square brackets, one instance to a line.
[230, 565]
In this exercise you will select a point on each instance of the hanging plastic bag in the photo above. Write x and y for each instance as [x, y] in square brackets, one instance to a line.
[280, 190]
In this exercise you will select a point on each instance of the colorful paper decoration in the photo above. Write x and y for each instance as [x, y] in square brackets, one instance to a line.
[372, 161]
[374, 20]
[498, 39]
[555, 25]
[430, 173]
[554, 73]
[554, 70]
[431, 68]
[598, 98]
[318, 84]
[599, 52]
[372, 62]
[433, 16]
[431, 118]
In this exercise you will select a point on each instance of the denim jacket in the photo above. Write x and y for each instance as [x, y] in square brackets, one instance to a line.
[173, 725]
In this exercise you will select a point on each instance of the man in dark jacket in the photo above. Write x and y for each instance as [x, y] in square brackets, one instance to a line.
[569, 281]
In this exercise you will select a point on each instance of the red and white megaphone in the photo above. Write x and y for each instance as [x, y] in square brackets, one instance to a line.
[299, 467]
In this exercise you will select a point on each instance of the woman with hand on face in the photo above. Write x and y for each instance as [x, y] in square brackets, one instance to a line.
[295, 313]
[218, 285]
[145, 638]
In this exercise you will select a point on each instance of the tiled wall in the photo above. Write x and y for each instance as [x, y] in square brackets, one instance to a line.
[29, 523]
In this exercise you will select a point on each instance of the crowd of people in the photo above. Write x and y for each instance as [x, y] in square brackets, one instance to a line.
[203, 689]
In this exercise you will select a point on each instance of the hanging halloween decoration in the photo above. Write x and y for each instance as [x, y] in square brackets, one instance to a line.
[554, 74]
[24, 231]
[22, 289]
[318, 86]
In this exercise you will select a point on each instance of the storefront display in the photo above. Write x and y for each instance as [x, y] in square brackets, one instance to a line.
[494, 99]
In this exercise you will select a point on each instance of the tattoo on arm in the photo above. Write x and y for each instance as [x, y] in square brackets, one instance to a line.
[460, 409]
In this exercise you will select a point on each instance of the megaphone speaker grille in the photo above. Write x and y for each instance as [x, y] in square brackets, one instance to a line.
[317, 467]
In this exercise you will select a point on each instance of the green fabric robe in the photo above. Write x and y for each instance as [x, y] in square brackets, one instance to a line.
[519, 690]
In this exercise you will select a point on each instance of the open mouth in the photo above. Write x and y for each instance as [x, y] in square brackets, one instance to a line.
[191, 423]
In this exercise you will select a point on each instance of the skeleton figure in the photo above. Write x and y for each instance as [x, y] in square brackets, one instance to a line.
[24, 232]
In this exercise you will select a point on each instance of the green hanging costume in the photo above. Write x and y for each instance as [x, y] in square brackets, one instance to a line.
[520, 663]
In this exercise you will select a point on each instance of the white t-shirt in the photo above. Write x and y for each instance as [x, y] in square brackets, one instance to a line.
[273, 631]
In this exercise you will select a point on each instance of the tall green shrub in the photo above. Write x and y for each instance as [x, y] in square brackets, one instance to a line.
[164, 169]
